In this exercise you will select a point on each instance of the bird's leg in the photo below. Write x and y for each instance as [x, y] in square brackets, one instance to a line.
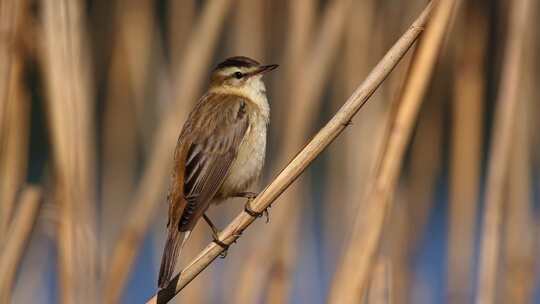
[215, 231]
[215, 236]
[250, 196]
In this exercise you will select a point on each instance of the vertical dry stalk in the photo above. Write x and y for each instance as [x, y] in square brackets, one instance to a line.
[10, 11]
[71, 116]
[347, 185]
[520, 245]
[380, 289]
[354, 272]
[13, 145]
[256, 277]
[13, 112]
[301, 16]
[125, 93]
[466, 153]
[299, 119]
[248, 29]
[302, 160]
[519, 249]
[190, 80]
[500, 150]
[136, 31]
[398, 247]
[16, 240]
[181, 19]
[408, 221]
[300, 24]
[521, 263]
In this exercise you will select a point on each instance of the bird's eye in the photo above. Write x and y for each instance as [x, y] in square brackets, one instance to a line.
[238, 75]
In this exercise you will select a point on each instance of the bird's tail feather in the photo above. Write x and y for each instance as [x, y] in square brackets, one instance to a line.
[175, 242]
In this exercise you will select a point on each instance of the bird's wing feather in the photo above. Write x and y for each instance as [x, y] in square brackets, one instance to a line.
[205, 151]
[210, 143]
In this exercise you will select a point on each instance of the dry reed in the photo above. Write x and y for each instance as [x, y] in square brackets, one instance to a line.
[302, 14]
[248, 29]
[125, 98]
[521, 265]
[70, 117]
[466, 153]
[182, 15]
[13, 110]
[10, 12]
[16, 239]
[350, 168]
[519, 244]
[287, 176]
[500, 151]
[306, 93]
[13, 145]
[380, 289]
[354, 272]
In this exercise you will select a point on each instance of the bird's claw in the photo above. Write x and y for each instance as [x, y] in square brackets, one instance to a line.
[225, 247]
[257, 214]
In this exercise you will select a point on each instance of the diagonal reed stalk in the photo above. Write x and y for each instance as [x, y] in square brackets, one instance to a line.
[196, 58]
[300, 162]
[353, 274]
[499, 159]
[19, 233]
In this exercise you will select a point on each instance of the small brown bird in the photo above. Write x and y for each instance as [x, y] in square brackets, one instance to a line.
[220, 151]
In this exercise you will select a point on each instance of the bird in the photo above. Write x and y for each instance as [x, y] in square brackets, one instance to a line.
[220, 152]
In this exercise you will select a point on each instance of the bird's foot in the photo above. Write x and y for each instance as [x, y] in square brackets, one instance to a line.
[225, 247]
[256, 214]
[215, 237]
[251, 196]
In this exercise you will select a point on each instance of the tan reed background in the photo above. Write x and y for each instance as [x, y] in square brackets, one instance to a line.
[430, 195]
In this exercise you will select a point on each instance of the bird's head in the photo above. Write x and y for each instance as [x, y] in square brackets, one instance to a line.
[240, 73]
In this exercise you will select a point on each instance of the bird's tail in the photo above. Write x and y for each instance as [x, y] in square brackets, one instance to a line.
[175, 242]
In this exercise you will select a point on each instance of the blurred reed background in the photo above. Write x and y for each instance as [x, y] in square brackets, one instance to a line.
[94, 93]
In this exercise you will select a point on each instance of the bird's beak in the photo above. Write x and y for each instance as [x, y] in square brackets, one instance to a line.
[264, 69]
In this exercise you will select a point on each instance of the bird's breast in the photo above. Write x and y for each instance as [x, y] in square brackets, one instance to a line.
[249, 161]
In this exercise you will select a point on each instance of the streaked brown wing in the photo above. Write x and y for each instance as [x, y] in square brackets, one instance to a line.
[210, 142]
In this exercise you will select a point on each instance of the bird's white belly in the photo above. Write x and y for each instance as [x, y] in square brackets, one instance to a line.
[248, 164]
